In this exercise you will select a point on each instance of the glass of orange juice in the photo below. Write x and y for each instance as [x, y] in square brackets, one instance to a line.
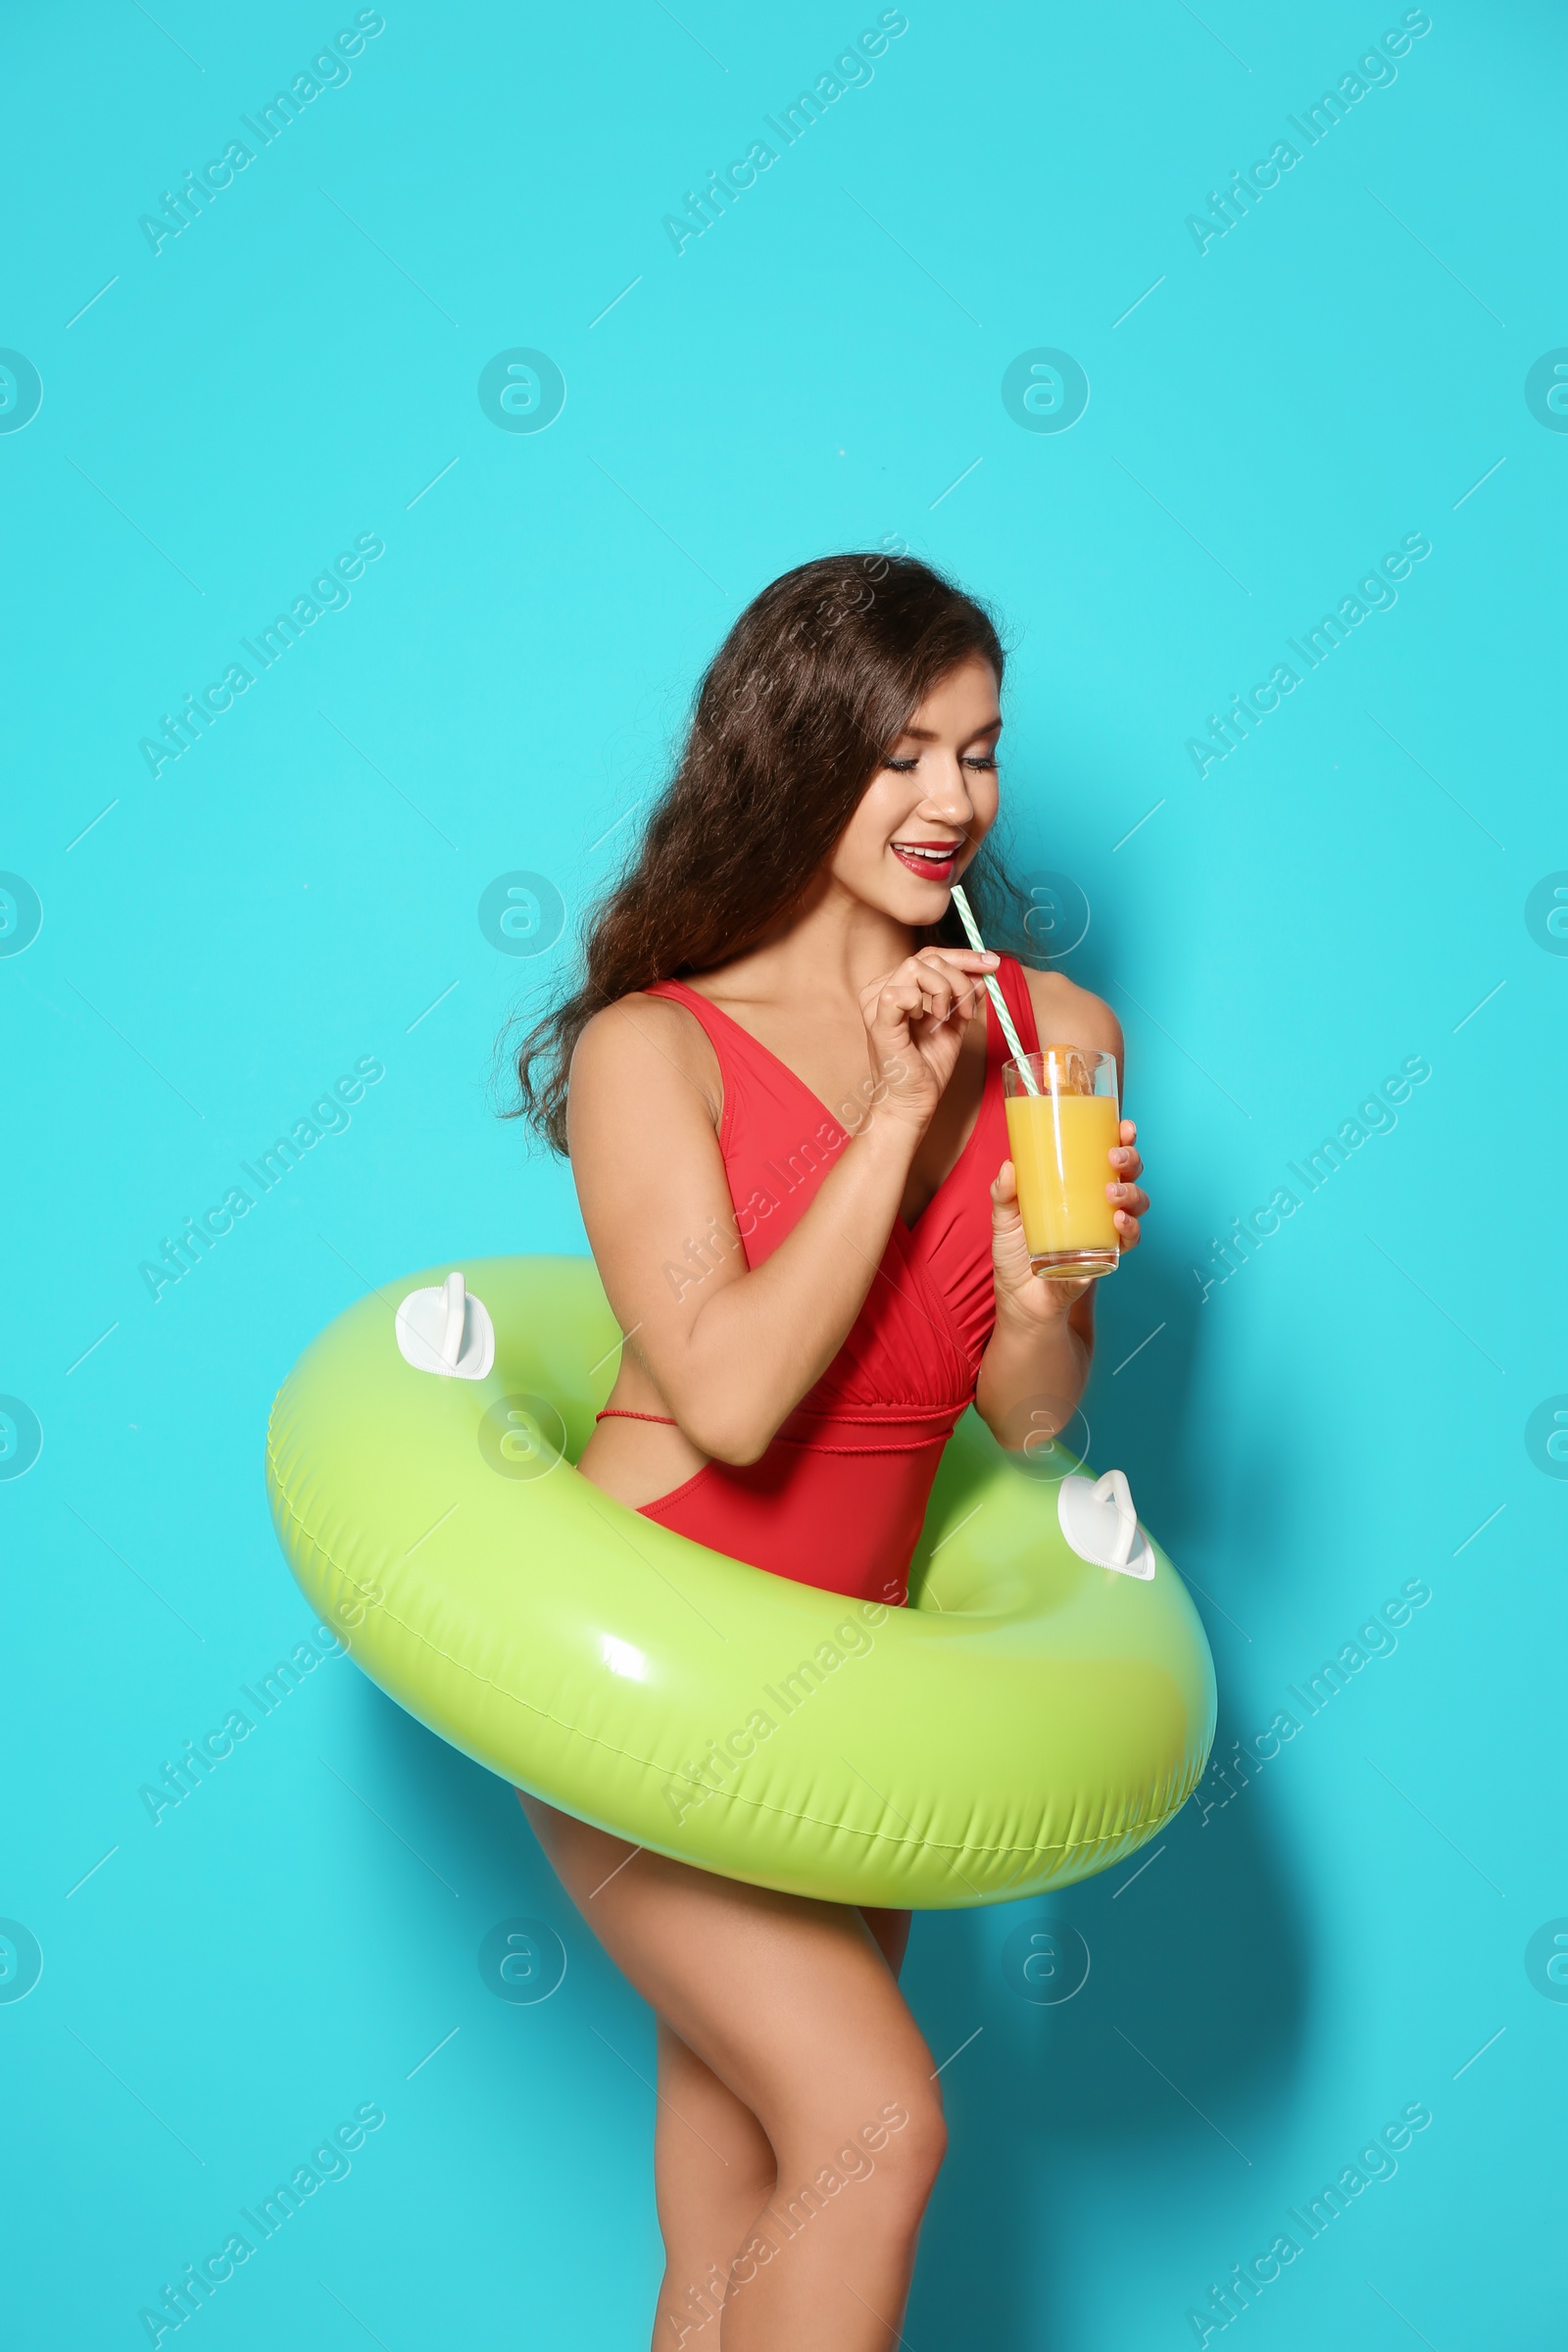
[1060, 1136]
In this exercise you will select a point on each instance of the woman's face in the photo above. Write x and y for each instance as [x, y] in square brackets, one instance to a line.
[924, 813]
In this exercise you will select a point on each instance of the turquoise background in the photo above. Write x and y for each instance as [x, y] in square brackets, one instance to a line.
[1349, 889]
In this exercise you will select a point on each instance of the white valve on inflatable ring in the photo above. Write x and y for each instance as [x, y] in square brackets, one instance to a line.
[1097, 1519]
[446, 1330]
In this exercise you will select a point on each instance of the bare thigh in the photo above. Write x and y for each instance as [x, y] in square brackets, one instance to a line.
[793, 2004]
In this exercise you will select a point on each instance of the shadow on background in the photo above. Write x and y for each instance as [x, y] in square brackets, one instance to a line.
[1196, 1992]
[1191, 2016]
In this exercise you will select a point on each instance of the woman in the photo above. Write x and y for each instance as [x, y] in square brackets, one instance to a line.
[810, 1299]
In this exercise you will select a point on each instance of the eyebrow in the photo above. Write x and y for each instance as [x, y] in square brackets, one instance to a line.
[992, 726]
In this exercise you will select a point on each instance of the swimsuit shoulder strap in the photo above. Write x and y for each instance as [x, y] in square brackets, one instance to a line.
[729, 1040]
[736, 1051]
[1013, 982]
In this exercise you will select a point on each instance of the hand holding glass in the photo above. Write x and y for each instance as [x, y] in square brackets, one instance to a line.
[1062, 1130]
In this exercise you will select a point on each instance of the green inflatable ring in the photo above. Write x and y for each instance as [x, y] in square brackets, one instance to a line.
[1030, 1718]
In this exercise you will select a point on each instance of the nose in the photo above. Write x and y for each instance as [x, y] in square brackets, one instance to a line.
[948, 802]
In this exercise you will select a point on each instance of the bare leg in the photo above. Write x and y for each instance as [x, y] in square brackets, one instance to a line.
[713, 2171]
[800, 2125]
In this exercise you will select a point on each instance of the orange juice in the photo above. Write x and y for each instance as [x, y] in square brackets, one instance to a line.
[1060, 1144]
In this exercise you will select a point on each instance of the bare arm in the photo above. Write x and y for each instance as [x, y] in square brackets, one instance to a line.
[733, 1351]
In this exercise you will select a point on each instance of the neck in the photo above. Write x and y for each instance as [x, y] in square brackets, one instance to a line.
[830, 946]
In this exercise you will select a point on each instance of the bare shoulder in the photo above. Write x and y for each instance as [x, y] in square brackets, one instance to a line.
[1067, 1014]
[642, 1046]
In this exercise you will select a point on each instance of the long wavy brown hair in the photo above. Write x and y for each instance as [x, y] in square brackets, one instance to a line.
[799, 708]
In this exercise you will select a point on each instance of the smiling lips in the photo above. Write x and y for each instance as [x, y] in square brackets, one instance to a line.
[932, 861]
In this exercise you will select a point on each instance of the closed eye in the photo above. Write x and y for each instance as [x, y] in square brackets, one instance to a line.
[906, 767]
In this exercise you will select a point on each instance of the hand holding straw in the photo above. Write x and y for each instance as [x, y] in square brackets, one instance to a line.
[997, 997]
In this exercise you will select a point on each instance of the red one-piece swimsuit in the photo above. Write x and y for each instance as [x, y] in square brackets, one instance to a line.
[839, 1496]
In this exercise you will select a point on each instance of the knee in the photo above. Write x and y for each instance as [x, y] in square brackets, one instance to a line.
[892, 2161]
[910, 2158]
